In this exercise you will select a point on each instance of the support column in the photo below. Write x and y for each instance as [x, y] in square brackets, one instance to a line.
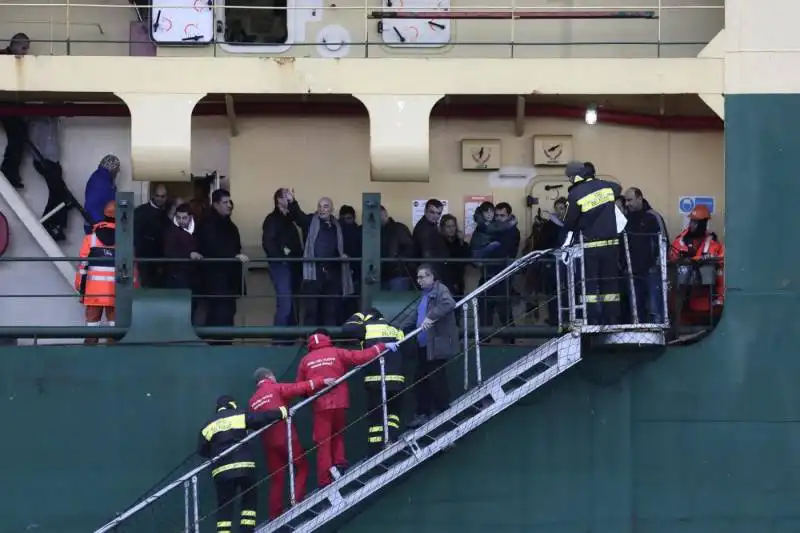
[123, 258]
[161, 135]
[371, 247]
[399, 135]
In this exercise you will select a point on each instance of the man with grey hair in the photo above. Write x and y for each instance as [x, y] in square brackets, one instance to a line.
[271, 395]
[327, 281]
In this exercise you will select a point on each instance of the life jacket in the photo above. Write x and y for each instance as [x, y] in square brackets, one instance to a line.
[95, 279]
[706, 247]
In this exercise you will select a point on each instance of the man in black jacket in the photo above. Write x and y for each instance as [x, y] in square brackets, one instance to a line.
[396, 243]
[234, 474]
[428, 240]
[16, 127]
[149, 225]
[222, 281]
[280, 239]
[645, 230]
[591, 211]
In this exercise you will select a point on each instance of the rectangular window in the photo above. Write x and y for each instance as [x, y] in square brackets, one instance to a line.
[246, 25]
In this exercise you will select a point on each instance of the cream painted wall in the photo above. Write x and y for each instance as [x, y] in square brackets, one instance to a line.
[331, 157]
[84, 141]
[691, 25]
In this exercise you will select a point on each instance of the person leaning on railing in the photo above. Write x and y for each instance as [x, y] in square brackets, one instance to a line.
[234, 474]
[437, 343]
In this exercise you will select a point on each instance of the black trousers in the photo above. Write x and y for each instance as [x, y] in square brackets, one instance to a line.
[324, 307]
[431, 387]
[602, 284]
[227, 492]
[16, 135]
[221, 312]
[394, 407]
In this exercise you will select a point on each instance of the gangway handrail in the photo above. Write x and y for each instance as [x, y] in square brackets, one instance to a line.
[501, 276]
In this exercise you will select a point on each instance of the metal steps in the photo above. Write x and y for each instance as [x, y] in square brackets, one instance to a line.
[465, 414]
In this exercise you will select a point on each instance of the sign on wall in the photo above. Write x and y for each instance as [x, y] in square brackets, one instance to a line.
[687, 203]
[182, 21]
[418, 210]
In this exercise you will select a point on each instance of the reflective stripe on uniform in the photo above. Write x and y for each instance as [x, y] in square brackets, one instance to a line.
[224, 424]
[389, 377]
[248, 512]
[248, 522]
[224, 523]
[284, 414]
[601, 243]
[373, 440]
[232, 466]
[596, 199]
[383, 331]
[600, 298]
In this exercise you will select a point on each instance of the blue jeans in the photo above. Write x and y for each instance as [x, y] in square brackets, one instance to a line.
[400, 284]
[281, 275]
[649, 298]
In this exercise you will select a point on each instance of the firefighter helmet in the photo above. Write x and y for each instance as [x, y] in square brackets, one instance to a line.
[700, 212]
[110, 209]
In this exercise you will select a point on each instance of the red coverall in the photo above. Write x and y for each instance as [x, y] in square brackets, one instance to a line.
[271, 395]
[323, 360]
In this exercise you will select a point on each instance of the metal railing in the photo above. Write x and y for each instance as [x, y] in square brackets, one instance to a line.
[575, 287]
[510, 270]
[652, 26]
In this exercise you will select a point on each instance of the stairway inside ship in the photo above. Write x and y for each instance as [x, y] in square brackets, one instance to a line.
[476, 406]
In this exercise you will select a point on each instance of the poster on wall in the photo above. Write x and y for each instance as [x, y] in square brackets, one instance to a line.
[687, 203]
[471, 204]
[418, 210]
[182, 21]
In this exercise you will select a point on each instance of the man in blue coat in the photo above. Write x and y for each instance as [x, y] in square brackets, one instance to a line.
[100, 189]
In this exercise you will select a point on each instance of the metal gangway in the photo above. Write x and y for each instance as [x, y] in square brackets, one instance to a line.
[477, 405]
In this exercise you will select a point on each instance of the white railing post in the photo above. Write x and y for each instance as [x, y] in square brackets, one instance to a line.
[465, 315]
[289, 455]
[384, 404]
[477, 332]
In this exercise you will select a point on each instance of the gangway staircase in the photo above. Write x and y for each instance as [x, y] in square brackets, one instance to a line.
[476, 406]
[465, 414]
[479, 404]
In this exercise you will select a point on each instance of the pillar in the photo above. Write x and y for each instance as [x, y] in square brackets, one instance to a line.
[161, 135]
[399, 135]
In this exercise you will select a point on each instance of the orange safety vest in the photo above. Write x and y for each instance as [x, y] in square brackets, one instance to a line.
[708, 248]
[96, 280]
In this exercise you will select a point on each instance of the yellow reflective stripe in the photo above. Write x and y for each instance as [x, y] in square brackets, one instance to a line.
[596, 199]
[383, 331]
[393, 425]
[223, 531]
[284, 414]
[598, 298]
[225, 523]
[389, 377]
[248, 522]
[248, 512]
[376, 439]
[232, 466]
[394, 417]
[375, 429]
[598, 244]
[224, 424]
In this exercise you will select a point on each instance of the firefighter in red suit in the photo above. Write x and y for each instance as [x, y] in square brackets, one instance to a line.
[272, 395]
[324, 360]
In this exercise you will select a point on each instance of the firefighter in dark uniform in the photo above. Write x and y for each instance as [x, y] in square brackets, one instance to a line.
[234, 474]
[591, 212]
[371, 328]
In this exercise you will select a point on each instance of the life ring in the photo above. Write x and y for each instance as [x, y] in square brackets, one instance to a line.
[5, 234]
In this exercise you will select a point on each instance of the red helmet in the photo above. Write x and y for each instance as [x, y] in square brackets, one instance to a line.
[700, 212]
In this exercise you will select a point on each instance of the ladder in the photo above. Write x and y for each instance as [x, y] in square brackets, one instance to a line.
[466, 413]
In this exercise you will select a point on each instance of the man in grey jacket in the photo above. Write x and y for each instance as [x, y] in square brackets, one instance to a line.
[437, 344]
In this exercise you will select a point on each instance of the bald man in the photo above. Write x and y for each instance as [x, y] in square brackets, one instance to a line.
[150, 222]
[328, 281]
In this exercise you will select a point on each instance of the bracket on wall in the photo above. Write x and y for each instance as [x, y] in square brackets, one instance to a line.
[519, 124]
[230, 111]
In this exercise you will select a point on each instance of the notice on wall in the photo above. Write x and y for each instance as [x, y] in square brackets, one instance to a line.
[687, 203]
[471, 204]
[418, 210]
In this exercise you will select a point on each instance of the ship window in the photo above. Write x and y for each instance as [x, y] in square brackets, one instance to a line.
[245, 26]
